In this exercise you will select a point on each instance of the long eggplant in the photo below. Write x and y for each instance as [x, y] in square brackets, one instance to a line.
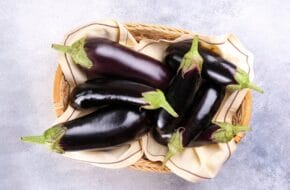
[205, 105]
[215, 68]
[180, 94]
[109, 126]
[101, 56]
[102, 91]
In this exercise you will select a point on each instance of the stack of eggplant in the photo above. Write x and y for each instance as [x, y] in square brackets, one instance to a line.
[134, 94]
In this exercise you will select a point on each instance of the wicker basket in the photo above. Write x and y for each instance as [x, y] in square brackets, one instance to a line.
[141, 31]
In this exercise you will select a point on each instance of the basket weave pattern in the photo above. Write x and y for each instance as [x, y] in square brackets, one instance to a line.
[140, 31]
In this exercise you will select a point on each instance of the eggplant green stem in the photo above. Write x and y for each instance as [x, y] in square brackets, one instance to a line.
[156, 99]
[34, 139]
[50, 138]
[192, 58]
[227, 131]
[243, 81]
[76, 51]
[174, 146]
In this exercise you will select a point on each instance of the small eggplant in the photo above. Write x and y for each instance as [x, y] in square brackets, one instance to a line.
[218, 133]
[205, 105]
[102, 91]
[109, 126]
[215, 68]
[100, 56]
[214, 133]
[180, 94]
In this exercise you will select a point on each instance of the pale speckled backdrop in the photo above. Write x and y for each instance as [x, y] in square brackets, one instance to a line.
[27, 65]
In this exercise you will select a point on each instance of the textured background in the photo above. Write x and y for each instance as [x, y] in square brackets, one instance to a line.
[27, 66]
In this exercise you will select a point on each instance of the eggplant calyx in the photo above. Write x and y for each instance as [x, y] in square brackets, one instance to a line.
[76, 51]
[156, 99]
[192, 59]
[50, 138]
[243, 81]
[175, 145]
[227, 131]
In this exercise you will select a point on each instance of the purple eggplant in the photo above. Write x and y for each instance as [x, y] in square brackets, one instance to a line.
[101, 56]
[205, 105]
[214, 133]
[102, 91]
[108, 126]
[215, 68]
[218, 133]
[180, 94]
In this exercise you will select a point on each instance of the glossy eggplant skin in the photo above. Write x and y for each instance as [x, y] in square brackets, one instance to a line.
[173, 60]
[111, 58]
[102, 91]
[181, 47]
[108, 126]
[205, 137]
[215, 68]
[180, 96]
[206, 103]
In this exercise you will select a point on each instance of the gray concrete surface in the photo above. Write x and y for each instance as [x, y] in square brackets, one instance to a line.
[27, 65]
